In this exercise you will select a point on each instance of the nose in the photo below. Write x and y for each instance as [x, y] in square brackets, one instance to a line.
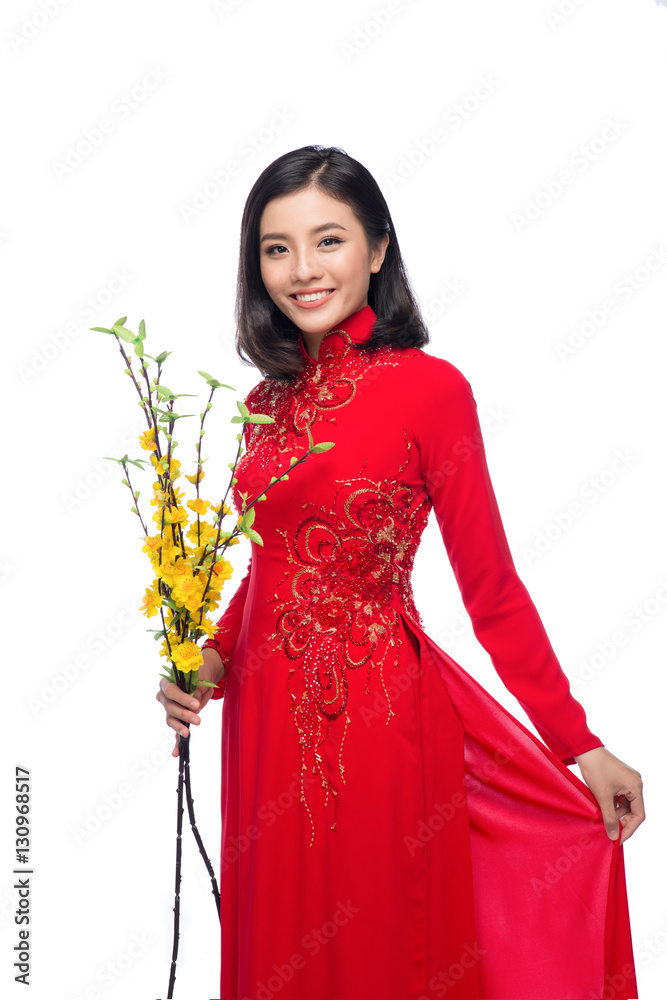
[305, 266]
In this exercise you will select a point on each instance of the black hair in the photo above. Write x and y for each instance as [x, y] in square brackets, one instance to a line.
[265, 336]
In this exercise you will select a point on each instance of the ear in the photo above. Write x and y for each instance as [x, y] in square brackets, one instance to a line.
[378, 253]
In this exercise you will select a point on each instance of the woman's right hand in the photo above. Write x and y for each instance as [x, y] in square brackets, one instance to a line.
[182, 707]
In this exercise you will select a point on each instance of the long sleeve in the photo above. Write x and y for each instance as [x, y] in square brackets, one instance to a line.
[229, 625]
[503, 616]
[228, 628]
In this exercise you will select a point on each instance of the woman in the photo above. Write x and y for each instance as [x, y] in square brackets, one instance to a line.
[389, 830]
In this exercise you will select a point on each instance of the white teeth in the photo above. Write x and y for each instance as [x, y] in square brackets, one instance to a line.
[315, 295]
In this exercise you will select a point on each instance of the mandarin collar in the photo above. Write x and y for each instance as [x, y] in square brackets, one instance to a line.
[356, 328]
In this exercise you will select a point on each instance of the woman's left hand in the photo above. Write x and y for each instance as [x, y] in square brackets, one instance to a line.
[618, 789]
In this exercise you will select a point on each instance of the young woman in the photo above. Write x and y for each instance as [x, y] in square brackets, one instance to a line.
[389, 830]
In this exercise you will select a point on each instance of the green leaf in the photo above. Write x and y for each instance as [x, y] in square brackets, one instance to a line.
[142, 330]
[208, 684]
[102, 329]
[323, 446]
[164, 393]
[139, 349]
[161, 358]
[254, 536]
[259, 418]
[121, 322]
[124, 334]
[237, 420]
[242, 408]
[248, 518]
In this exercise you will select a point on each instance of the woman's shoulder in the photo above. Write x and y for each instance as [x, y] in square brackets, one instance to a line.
[435, 375]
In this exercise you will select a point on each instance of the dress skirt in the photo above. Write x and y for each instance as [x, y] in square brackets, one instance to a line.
[467, 860]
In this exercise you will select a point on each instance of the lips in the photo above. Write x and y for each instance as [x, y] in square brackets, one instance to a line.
[319, 293]
[321, 297]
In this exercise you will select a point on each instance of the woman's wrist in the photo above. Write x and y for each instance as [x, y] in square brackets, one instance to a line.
[214, 664]
[594, 751]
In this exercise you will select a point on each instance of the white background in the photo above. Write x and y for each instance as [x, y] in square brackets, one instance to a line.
[70, 550]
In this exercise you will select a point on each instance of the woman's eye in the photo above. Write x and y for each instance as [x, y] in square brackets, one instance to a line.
[327, 240]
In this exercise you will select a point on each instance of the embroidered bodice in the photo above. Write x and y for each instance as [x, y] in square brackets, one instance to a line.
[333, 576]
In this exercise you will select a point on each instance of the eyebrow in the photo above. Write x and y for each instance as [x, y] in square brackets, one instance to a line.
[317, 229]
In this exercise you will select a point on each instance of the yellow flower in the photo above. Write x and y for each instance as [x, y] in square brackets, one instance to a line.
[221, 571]
[199, 506]
[187, 656]
[147, 440]
[216, 508]
[207, 532]
[153, 544]
[188, 590]
[152, 601]
[207, 626]
[171, 572]
[197, 478]
[161, 466]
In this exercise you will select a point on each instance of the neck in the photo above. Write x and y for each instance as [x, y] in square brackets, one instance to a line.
[355, 328]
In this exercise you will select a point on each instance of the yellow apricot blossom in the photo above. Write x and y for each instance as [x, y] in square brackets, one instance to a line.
[197, 478]
[152, 600]
[187, 656]
[199, 506]
[222, 570]
[147, 440]
[207, 532]
[188, 591]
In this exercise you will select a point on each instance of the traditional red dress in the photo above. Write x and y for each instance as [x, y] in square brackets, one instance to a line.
[389, 830]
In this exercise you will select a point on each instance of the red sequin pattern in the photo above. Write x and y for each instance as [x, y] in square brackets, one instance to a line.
[348, 568]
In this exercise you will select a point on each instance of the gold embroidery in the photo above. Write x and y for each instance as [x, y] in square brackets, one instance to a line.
[348, 566]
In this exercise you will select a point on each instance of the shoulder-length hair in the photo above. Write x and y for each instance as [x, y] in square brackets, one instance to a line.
[265, 336]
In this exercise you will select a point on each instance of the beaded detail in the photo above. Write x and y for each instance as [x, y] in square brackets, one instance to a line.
[314, 394]
[347, 567]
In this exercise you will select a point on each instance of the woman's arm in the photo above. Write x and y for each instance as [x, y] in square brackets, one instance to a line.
[503, 616]
[227, 630]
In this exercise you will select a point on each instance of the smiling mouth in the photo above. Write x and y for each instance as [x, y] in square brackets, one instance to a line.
[312, 296]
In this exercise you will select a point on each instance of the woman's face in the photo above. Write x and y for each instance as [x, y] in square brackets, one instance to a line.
[310, 242]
